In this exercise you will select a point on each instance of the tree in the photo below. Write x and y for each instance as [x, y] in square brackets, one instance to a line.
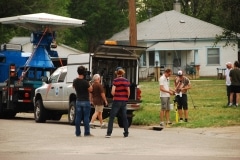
[104, 18]
[21, 7]
[230, 21]
[149, 8]
[223, 13]
[7, 9]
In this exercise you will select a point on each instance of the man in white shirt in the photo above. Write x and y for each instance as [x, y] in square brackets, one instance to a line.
[165, 93]
[228, 80]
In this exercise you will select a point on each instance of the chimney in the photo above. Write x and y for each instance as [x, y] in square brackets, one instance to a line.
[177, 6]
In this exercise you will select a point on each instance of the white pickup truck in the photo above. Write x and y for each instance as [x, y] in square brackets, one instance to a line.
[57, 96]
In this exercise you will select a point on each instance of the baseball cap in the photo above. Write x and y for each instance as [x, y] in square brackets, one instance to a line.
[228, 63]
[119, 71]
[118, 68]
[180, 73]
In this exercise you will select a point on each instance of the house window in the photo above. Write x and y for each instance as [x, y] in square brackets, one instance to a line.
[143, 59]
[151, 58]
[177, 59]
[162, 58]
[213, 56]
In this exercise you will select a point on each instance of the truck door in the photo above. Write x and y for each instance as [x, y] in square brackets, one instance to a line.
[56, 90]
[108, 57]
[75, 60]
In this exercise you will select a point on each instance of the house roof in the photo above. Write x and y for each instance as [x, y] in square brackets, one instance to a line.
[70, 48]
[20, 40]
[173, 46]
[171, 25]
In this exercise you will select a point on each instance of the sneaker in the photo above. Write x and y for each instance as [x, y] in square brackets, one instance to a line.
[169, 122]
[103, 126]
[125, 134]
[181, 121]
[230, 104]
[186, 120]
[162, 124]
[108, 136]
[92, 125]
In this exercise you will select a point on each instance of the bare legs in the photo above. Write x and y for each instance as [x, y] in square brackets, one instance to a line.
[97, 115]
[180, 113]
[164, 113]
[231, 98]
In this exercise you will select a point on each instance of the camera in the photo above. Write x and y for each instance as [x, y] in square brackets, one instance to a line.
[87, 75]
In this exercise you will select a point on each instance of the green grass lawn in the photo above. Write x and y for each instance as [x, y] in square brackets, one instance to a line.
[207, 95]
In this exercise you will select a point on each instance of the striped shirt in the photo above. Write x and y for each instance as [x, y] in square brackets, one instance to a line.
[121, 93]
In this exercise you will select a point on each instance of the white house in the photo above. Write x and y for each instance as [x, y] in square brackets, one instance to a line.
[24, 41]
[178, 41]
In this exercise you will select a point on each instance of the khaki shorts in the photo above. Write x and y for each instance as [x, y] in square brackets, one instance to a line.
[165, 103]
[98, 108]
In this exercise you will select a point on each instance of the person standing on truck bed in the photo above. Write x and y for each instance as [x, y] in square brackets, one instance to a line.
[121, 93]
[83, 107]
[98, 99]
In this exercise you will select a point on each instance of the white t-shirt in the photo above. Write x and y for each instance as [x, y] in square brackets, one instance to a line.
[163, 80]
[228, 81]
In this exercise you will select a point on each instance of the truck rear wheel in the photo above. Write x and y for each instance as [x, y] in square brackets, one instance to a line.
[72, 113]
[39, 112]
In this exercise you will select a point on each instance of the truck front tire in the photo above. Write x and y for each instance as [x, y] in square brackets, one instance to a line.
[72, 113]
[39, 112]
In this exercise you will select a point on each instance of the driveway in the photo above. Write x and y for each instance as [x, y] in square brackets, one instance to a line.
[23, 139]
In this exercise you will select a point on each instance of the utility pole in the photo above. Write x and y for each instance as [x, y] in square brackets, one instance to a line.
[132, 23]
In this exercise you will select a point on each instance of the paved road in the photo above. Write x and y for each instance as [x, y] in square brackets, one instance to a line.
[23, 139]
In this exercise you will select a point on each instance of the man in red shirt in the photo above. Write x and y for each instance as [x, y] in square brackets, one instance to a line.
[121, 93]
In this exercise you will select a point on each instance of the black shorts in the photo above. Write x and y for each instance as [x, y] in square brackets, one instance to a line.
[235, 89]
[228, 90]
[182, 102]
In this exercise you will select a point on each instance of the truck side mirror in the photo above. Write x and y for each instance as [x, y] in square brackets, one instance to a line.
[45, 79]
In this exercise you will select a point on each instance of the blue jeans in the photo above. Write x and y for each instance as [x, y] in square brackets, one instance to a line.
[116, 107]
[83, 109]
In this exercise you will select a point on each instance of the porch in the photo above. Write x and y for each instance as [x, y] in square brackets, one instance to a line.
[154, 73]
